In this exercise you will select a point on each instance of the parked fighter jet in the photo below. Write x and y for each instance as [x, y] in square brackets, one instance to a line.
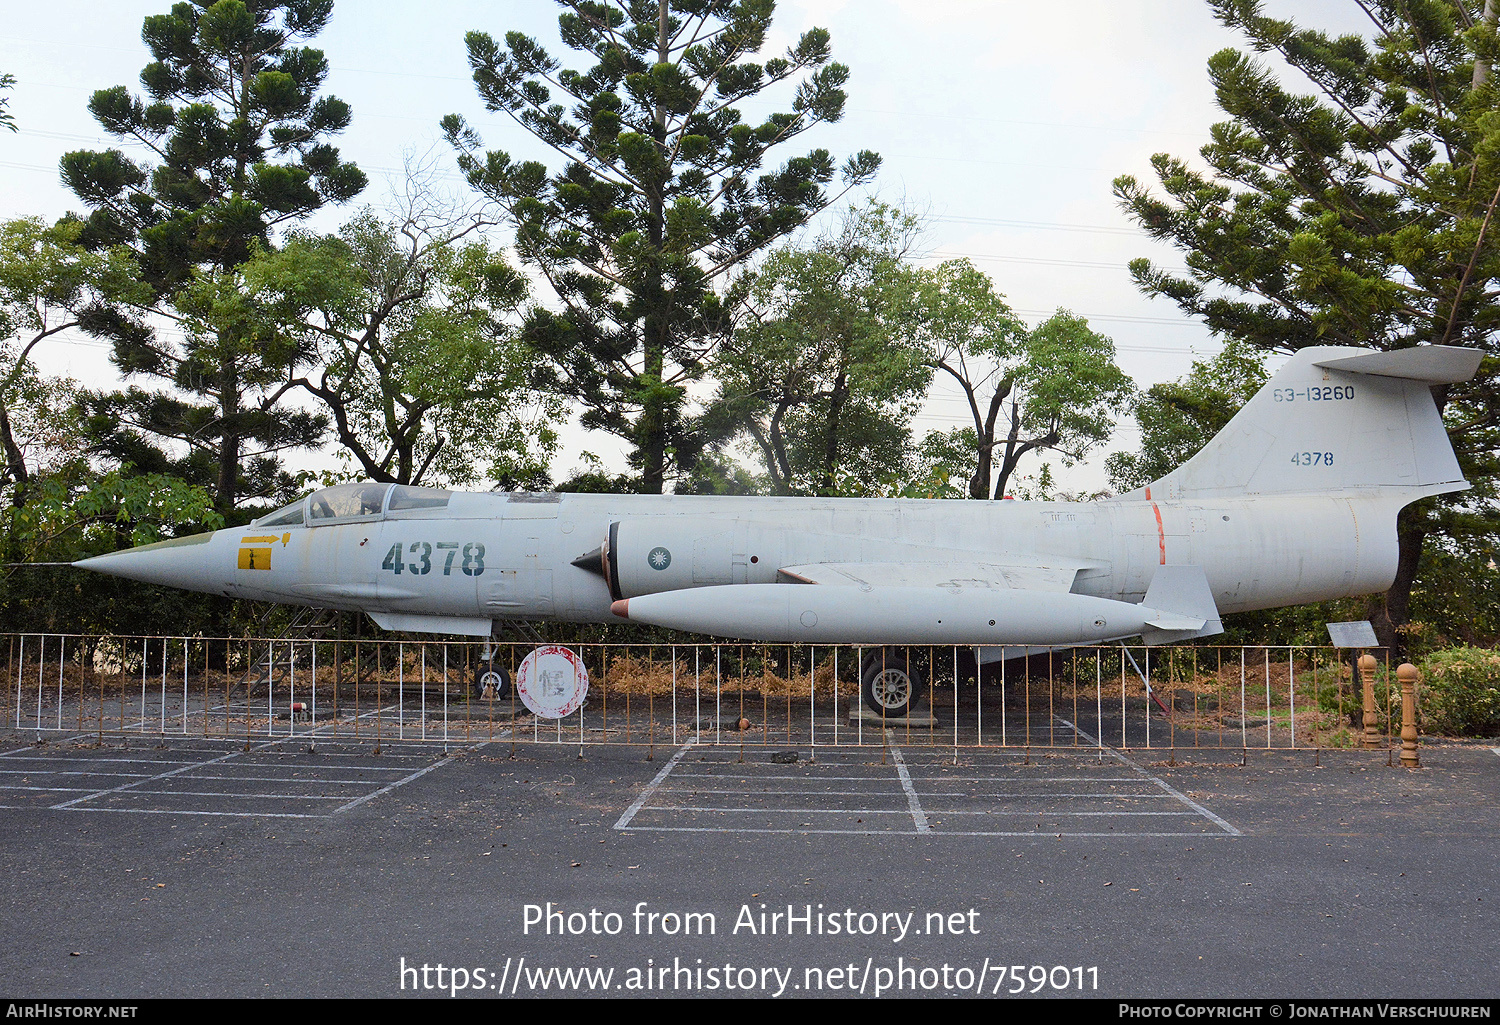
[1295, 501]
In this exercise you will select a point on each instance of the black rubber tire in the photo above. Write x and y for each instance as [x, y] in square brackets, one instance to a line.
[890, 681]
[491, 681]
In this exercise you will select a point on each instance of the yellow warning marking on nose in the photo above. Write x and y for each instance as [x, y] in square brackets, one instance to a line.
[285, 538]
[255, 558]
[260, 540]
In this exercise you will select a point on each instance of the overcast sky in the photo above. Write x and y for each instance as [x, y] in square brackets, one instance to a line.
[1007, 120]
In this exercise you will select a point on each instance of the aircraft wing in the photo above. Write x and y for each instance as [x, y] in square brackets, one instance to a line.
[986, 572]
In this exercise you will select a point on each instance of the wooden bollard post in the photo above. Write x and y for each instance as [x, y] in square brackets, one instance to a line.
[1367, 665]
[1408, 675]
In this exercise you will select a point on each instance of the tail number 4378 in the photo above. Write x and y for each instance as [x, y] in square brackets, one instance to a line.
[469, 556]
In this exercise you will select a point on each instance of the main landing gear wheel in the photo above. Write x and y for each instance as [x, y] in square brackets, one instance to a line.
[491, 682]
[889, 682]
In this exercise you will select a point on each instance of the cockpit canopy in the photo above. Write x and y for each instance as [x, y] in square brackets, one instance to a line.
[365, 500]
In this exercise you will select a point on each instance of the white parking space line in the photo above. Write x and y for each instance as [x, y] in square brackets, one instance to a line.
[292, 779]
[1216, 820]
[218, 793]
[935, 801]
[913, 803]
[65, 805]
[645, 795]
[287, 783]
[783, 811]
[775, 776]
[102, 761]
[70, 772]
[1034, 779]
[393, 785]
[199, 811]
[1041, 812]
[776, 793]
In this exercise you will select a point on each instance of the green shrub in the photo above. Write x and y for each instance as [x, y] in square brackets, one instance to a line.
[1460, 692]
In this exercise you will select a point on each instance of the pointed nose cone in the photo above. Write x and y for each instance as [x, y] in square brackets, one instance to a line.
[181, 562]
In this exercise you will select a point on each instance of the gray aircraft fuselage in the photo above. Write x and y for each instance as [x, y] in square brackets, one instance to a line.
[1295, 501]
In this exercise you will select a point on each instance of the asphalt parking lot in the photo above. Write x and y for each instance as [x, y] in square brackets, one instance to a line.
[198, 868]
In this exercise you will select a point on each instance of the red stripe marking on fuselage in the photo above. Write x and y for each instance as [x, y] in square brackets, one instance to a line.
[1161, 534]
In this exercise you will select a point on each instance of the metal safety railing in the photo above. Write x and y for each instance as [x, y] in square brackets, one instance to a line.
[808, 697]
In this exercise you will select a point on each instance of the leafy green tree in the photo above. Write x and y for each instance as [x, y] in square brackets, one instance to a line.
[660, 196]
[58, 505]
[48, 284]
[827, 370]
[1361, 213]
[238, 133]
[410, 324]
[1051, 388]
[1179, 417]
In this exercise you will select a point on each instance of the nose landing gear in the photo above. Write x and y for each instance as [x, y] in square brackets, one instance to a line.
[491, 682]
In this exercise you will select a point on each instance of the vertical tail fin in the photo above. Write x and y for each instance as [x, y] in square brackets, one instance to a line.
[1335, 418]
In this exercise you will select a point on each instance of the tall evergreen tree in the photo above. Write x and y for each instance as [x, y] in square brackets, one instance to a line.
[1363, 213]
[239, 136]
[661, 193]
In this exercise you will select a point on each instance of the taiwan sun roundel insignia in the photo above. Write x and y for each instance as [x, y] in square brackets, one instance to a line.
[659, 558]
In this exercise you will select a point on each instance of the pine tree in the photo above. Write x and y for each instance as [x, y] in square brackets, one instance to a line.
[239, 136]
[660, 196]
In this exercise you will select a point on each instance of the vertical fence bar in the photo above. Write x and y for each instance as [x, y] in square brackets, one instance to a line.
[1003, 702]
[358, 653]
[100, 723]
[812, 701]
[978, 699]
[379, 709]
[1291, 691]
[955, 702]
[1099, 700]
[62, 652]
[835, 696]
[1146, 682]
[1122, 696]
[144, 669]
[41, 659]
[270, 693]
[184, 690]
[291, 688]
[1171, 705]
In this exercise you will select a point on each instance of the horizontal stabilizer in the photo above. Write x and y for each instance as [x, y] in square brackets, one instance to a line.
[1435, 364]
[1171, 622]
[1183, 606]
